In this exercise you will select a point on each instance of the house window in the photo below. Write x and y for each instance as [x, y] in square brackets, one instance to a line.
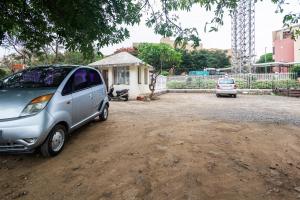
[146, 76]
[121, 75]
[139, 75]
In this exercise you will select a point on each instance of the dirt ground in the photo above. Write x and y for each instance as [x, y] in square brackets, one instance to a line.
[183, 146]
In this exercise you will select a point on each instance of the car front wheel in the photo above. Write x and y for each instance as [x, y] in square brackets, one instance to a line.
[54, 142]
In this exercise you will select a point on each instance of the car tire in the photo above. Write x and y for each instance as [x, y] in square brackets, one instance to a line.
[55, 141]
[234, 96]
[218, 95]
[104, 115]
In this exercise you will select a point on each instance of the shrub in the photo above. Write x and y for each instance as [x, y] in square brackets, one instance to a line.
[164, 73]
[176, 85]
[241, 84]
[287, 84]
[296, 69]
[192, 83]
[3, 73]
[202, 83]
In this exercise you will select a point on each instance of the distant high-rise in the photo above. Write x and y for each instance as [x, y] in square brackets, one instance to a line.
[243, 36]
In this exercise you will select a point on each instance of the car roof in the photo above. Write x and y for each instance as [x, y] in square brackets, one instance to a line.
[64, 66]
[58, 66]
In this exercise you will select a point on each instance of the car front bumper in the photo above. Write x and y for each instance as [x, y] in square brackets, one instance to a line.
[24, 134]
[226, 92]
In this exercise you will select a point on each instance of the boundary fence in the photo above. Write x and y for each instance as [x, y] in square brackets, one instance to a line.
[161, 83]
[243, 81]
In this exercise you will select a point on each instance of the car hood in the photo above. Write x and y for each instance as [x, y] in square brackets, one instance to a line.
[13, 101]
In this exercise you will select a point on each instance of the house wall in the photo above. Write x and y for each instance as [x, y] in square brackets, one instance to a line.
[142, 88]
[284, 50]
[297, 50]
[135, 89]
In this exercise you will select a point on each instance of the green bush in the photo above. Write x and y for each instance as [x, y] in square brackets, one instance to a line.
[241, 84]
[192, 83]
[164, 73]
[262, 85]
[287, 84]
[3, 73]
[176, 85]
[275, 84]
[206, 83]
[201, 83]
[296, 69]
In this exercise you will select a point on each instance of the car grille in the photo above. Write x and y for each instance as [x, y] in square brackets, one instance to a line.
[11, 146]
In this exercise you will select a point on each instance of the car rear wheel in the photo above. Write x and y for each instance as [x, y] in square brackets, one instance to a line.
[234, 96]
[104, 115]
[55, 141]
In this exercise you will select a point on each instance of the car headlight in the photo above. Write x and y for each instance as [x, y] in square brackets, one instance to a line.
[36, 105]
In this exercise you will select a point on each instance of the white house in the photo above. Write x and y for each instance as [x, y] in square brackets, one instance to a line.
[125, 71]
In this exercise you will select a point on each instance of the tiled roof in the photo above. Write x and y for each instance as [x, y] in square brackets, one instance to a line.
[119, 59]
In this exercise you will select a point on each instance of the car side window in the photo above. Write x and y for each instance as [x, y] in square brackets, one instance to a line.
[80, 80]
[95, 78]
[68, 89]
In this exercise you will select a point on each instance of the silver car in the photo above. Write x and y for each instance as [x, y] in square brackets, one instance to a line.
[226, 86]
[40, 106]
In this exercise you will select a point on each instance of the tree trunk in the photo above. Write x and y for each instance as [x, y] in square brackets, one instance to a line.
[152, 84]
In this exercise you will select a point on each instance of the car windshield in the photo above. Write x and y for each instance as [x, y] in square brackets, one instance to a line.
[38, 77]
[226, 81]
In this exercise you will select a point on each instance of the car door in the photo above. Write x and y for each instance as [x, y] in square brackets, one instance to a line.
[98, 89]
[81, 97]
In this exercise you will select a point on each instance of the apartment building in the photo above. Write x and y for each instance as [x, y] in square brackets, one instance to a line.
[285, 48]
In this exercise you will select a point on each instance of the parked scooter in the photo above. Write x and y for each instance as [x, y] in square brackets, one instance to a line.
[122, 95]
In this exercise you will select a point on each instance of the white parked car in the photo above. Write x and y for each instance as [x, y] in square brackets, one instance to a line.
[226, 86]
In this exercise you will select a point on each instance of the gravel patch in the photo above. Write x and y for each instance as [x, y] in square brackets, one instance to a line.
[249, 108]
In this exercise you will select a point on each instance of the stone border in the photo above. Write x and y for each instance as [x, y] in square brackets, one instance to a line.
[240, 91]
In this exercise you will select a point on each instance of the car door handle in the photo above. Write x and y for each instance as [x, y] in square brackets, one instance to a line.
[69, 102]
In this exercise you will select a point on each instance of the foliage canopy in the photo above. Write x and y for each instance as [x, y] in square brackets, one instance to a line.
[296, 69]
[86, 25]
[198, 60]
[2, 73]
[160, 56]
[68, 57]
[265, 58]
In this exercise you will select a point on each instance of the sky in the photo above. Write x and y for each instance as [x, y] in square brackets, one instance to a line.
[266, 21]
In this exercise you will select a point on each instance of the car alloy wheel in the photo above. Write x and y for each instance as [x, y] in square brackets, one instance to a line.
[55, 141]
[58, 140]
